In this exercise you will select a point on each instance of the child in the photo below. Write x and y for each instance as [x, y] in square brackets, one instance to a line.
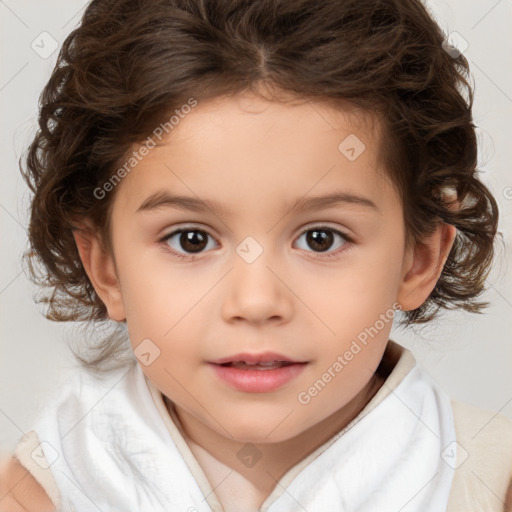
[323, 156]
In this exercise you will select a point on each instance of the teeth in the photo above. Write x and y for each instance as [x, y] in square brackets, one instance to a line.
[268, 365]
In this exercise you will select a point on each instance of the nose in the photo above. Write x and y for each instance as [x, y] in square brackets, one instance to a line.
[256, 293]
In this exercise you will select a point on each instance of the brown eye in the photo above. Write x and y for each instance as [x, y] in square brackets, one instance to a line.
[193, 241]
[319, 240]
[188, 241]
[322, 239]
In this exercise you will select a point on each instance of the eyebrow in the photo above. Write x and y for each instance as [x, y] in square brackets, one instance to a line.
[163, 199]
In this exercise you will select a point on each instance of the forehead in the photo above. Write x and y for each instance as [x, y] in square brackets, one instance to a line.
[246, 149]
[282, 125]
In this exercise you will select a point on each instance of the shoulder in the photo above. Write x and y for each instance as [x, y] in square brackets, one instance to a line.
[26, 479]
[483, 465]
[20, 491]
[486, 434]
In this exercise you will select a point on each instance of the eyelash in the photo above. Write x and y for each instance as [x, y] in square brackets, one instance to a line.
[348, 241]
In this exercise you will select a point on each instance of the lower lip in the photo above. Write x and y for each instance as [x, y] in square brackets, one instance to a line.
[258, 381]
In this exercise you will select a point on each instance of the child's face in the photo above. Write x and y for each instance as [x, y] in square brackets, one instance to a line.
[255, 159]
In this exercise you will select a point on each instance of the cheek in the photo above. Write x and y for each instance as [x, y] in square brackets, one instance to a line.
[357, 306]
[156, 293]
[353, 297]
[165, 307]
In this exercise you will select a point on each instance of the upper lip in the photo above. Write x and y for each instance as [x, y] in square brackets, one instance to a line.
[255, 358]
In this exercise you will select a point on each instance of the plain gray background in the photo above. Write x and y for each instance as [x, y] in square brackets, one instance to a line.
[468, 355]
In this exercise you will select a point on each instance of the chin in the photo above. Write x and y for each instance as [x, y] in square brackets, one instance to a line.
[263, 432]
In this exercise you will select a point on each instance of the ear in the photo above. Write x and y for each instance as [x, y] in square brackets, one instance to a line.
[100, 268]
[424, 263]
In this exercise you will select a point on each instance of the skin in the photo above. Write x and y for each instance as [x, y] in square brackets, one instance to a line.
[255, 157]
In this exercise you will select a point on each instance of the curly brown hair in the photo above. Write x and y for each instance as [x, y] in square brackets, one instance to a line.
[129, 63]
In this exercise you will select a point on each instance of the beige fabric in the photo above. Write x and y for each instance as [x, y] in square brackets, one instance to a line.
[484, 460]
[483, 463]
[28, 452]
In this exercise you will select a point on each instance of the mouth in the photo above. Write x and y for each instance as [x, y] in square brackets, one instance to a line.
[261, 361]
[257, 373]
[263, 365]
